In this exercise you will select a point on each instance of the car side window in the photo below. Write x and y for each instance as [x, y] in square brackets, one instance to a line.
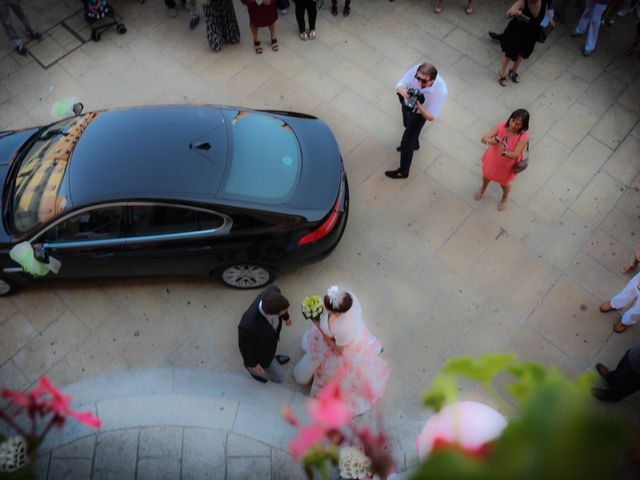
[98, 224]
[161, 219]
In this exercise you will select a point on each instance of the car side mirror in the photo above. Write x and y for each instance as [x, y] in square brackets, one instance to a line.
[40, 253]
[77, 108]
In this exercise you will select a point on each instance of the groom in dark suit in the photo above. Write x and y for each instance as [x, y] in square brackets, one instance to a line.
[259, 333]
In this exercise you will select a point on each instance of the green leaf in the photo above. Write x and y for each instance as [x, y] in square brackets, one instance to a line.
[483, 369]
[450, 464]
[443, 390]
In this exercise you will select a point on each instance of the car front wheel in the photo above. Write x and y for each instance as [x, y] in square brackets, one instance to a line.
[7, 287]
[246, 276]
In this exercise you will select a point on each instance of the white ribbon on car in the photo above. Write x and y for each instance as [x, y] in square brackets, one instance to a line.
[23, 254]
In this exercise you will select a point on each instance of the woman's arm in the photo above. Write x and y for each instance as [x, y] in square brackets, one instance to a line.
[516, 9]
[520, 146]
[489, 138]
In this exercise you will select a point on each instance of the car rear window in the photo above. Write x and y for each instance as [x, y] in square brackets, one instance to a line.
[265, 157]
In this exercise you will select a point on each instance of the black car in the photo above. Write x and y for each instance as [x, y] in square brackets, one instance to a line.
[178, 190]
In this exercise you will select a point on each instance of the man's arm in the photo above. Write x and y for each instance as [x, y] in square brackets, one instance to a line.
[424, 112]
[246, 341]
[401, 87]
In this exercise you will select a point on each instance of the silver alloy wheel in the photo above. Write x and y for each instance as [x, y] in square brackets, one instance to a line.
[246, 276]
[5, 287]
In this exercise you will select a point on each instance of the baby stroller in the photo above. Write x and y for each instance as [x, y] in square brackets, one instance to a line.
[97, 10]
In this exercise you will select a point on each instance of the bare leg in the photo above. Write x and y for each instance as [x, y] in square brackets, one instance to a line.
[505, 197]
[480, 193]
[504, 63]
[254, 32]
[274, 41]
[517, 63]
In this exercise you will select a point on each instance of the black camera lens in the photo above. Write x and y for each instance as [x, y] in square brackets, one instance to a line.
[284, 317]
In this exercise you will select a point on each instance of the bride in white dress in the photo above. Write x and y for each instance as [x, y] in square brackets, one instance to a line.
[339, 339]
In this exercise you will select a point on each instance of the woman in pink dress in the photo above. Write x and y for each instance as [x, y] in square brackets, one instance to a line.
[507, 141]
[339, 341]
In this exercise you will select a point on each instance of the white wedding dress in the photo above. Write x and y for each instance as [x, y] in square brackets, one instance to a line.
[365, 374]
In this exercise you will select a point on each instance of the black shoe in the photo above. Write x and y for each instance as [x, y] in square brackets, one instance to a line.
[399, 148]
[193, 23]
[35, 35]
[282, 359]
[495, 36]
[256, 377]
[602, 394]
[395, 174]
[22, 50]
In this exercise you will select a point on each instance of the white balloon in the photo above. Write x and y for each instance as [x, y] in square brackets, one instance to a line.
[469, 424]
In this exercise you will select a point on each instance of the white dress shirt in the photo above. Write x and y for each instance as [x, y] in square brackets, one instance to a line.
[434, 96]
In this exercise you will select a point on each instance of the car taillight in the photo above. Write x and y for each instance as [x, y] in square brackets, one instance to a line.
[329, 223]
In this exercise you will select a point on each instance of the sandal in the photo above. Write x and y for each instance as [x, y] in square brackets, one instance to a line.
[514, 76]
[468, 10]
[334, 9]
[312, 35]
[619, 327]
[275, 46]
[304, 36]
[606, 307]
[437, 9]
[502, 80]
[628, 267]
[257, 46]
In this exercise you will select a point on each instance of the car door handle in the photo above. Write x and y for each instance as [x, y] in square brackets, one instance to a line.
[199, 249]
[103, 255]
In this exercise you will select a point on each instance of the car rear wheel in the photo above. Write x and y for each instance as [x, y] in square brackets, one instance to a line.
[246, 275]
[7, 287]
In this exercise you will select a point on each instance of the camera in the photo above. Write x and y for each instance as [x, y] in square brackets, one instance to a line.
[414, 95]
[284, 317]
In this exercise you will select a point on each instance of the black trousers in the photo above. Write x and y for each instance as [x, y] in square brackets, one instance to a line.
[623, 381]
[413, 123]
[312, 12]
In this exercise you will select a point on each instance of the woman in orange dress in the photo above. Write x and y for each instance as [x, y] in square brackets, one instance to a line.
[507, 141]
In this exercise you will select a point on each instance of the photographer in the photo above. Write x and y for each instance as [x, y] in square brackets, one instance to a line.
[422, 94]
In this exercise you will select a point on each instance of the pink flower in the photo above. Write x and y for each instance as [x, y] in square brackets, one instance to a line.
[307, 437]
[330, 409]
[86, 418]
[45, 399]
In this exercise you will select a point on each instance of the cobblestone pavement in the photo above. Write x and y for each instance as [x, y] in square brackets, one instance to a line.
[438, 274]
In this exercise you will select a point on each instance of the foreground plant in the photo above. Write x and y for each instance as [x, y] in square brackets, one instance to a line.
[43, 404]
[317, 445]
[555, 430]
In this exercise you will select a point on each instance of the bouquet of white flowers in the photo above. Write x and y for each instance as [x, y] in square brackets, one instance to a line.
[312, 307]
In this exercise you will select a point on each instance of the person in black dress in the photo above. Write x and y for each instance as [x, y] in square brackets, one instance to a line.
[520, 36]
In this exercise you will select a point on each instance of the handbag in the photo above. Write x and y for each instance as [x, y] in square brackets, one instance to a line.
[522, 165]
[543, 33]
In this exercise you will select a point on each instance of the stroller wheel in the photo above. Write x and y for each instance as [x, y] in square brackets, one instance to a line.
[95, 36]
[122, 29]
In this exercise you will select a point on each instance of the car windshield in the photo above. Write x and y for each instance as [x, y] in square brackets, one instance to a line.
[265, 160]
[37, 194]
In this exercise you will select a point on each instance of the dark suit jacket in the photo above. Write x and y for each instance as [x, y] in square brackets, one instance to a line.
[257, 339]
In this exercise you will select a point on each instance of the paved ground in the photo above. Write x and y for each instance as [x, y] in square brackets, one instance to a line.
[438, 274]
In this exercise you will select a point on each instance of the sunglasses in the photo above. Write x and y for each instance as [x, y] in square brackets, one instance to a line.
[422, 80]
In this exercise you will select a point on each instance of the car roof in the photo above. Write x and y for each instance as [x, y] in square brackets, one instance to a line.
[157, 152]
